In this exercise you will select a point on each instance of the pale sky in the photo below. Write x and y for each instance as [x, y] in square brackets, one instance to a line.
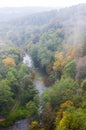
[49, 3]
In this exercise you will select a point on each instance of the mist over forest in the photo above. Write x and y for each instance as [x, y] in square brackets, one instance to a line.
[51, 91]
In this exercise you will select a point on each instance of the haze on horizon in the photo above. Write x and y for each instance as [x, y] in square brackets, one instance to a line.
[44, 3]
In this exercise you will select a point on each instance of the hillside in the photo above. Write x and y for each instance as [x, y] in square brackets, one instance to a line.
[56, 42]
[11, 13]
[22, 27]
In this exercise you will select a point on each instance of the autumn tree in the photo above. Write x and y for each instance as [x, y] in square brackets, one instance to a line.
[59, 64]
[64, 105]
[9, 62]
[34, 126]
[63, 61]
[75, 120]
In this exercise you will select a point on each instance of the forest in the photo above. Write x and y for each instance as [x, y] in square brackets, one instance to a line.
[56, 42]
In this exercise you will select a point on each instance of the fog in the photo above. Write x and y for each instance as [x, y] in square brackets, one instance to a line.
[48, 3]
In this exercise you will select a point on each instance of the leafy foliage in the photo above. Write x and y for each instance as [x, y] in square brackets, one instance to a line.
[56, 42]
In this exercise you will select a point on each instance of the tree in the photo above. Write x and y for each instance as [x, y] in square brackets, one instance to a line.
[70, 69]
[16, 54]
[59, 61]
[48, 117]
[32, 110]
[9, 62]
[3, 69]
[83, 85]
[62, 90]
[28, 93]
[75, 120]
[23, 70]
[64, 105]
[64, 62]
[59, 64]
[84, 47]
[13, 81]
[34, 126]
[45, 57]
[5, 96]
[81, 68]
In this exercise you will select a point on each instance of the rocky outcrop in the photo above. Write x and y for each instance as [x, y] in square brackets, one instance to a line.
[19, 125]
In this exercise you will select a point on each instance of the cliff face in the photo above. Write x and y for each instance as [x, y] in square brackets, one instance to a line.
[19, 125]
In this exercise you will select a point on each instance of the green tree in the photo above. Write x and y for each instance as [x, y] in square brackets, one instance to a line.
[13, 82]
[62, 90]
[32, 110]
[5, 96]
[70, 69]
[83, 85]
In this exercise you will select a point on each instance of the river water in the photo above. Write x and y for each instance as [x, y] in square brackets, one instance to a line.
[27, 60]
[38, 82]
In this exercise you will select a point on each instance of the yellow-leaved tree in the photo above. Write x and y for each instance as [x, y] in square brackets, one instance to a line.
[59, 61]
[62, 59]
[9, 62]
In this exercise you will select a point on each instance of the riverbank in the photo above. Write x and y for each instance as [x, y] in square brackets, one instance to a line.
[39, 79]
[19, 113]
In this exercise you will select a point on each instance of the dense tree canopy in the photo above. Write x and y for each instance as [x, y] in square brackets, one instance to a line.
[56, 42]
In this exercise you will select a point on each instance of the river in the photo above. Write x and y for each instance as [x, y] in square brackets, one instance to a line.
[39, 84]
